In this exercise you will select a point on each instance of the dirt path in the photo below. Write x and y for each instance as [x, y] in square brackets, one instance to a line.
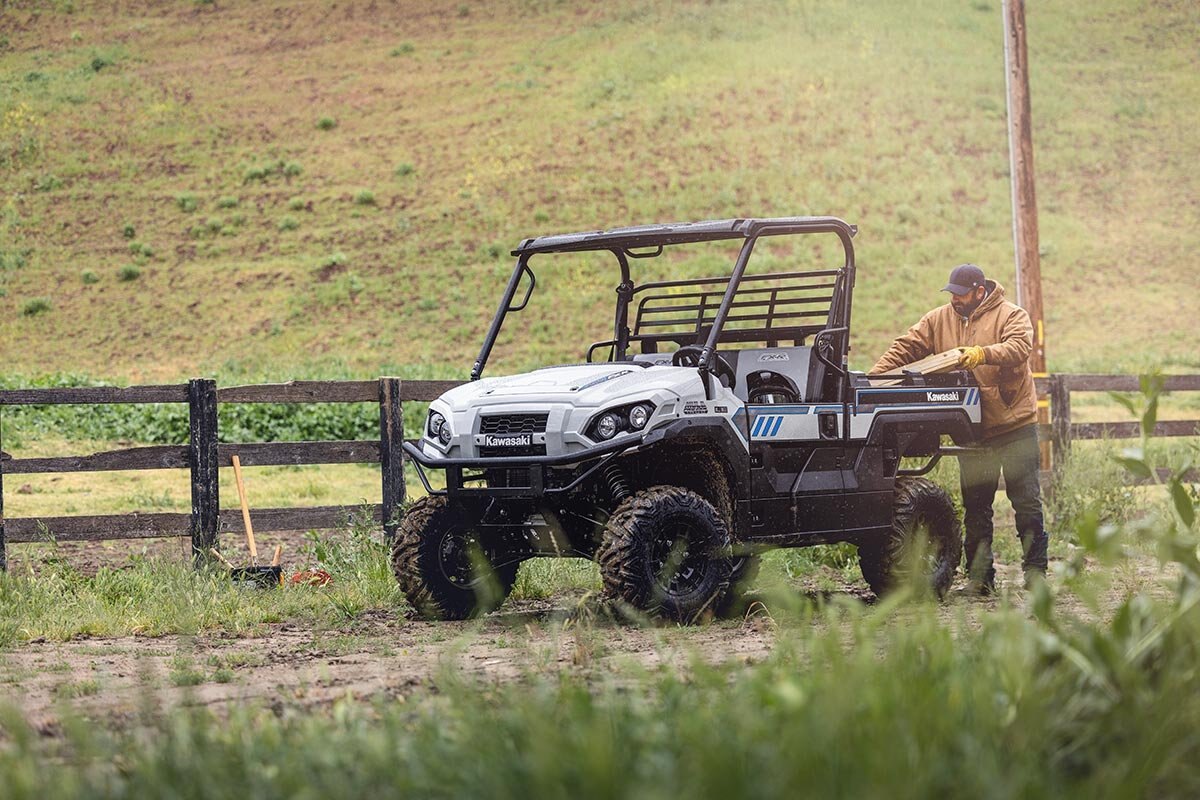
[378, 655]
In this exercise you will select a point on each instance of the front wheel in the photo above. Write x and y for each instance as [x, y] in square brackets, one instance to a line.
[441, 566]
[925, 537]
[666, 551]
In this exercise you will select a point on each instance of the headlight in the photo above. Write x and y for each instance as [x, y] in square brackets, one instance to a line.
[638, 416]
[606, 427]
[444, 433]
[436, 423]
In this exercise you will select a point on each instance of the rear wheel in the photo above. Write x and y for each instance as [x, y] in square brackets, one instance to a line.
[666, 551]
[439, 561]
[925, 536]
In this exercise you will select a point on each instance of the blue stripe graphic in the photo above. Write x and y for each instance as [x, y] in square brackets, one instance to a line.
[758, 423]
[775, 427]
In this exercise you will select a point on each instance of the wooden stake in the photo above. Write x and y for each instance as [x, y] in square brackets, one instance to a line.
[241, 489]
[278, 553]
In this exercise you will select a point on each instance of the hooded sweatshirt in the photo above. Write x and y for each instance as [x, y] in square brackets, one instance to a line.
[1005, 333]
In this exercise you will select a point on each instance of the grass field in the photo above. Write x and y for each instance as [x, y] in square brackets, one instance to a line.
[266, 192]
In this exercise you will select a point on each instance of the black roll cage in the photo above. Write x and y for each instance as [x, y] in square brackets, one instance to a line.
[831, 337]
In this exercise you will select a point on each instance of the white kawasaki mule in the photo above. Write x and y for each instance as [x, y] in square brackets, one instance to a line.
[720, 420]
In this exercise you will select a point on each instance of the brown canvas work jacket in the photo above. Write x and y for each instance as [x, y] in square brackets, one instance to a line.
[1004, 332]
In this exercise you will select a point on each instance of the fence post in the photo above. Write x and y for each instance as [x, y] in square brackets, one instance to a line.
[391, 453]
[3, 541]
[1060, 420]
[202, 456]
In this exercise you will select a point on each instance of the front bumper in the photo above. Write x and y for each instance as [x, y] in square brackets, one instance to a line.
[534, 467]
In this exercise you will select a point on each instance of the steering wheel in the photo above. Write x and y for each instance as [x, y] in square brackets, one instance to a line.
[689, 356]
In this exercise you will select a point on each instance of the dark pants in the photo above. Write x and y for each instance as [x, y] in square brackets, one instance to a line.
[1016, 455]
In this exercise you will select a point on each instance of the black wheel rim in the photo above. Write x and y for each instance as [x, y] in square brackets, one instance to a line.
[678, 563]
[454, 557]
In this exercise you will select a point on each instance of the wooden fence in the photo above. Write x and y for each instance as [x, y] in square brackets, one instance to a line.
[1061, 431]
[204, 455]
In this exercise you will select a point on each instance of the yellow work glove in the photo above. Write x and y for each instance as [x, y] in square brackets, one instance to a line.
[971, 357]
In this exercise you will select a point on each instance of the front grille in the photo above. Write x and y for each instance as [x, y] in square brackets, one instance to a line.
[509, 478]
[503, 452]
[514, 423]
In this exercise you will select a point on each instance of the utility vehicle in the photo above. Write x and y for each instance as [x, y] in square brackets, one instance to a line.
[718, 421]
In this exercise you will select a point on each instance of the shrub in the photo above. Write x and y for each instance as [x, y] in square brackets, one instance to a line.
[334, 260]
[100, 62]
[404, 169]
[228, 202]
[327, 123]
[89, 277]
[255, 172]
[541, 216]
[138, 248]
[403, 49]
[35, 306]
[364, 198]
[47, 183]
[291, 169]
[297, 204]
[129, 272]
[288, 224]
[186, 202]
[128, 232]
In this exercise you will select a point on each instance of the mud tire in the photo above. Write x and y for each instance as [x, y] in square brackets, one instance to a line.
[920, 506]
[639, 540]
[434, 574]
[736, 599]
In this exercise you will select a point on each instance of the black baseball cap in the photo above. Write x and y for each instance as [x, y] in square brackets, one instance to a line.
[964, 278]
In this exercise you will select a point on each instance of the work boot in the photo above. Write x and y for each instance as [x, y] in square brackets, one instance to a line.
[979, 587]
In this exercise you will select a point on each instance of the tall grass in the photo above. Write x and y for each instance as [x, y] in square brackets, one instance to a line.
[852, 702]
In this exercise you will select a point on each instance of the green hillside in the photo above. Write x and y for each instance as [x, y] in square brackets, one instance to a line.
[266, 190]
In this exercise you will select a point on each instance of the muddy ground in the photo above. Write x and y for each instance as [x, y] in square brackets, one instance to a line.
[390, 655]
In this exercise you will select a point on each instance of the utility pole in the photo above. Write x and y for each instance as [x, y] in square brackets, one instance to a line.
[1024, 200]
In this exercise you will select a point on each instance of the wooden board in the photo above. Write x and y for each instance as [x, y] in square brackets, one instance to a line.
[930, 365]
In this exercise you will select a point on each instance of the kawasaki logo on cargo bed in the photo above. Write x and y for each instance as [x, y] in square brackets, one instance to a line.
[885, 397]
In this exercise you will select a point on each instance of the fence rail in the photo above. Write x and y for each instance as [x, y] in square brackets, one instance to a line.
[1061, 431]
[204, 455]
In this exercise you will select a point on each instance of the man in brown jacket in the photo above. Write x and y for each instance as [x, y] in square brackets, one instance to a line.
[995, 337]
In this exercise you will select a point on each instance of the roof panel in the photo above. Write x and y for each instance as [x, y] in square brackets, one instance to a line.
[672, 233]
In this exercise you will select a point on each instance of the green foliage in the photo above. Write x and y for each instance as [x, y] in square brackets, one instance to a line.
[228, 202]
[404, 49]
[129, 272]
[404, 169]
[288, 224]
[297, 204]
[129, 232]
[186, 202]
[47, 183]
[35, 306]
[326, 123]
[364, 197]
[89, 277]
[334, 260]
